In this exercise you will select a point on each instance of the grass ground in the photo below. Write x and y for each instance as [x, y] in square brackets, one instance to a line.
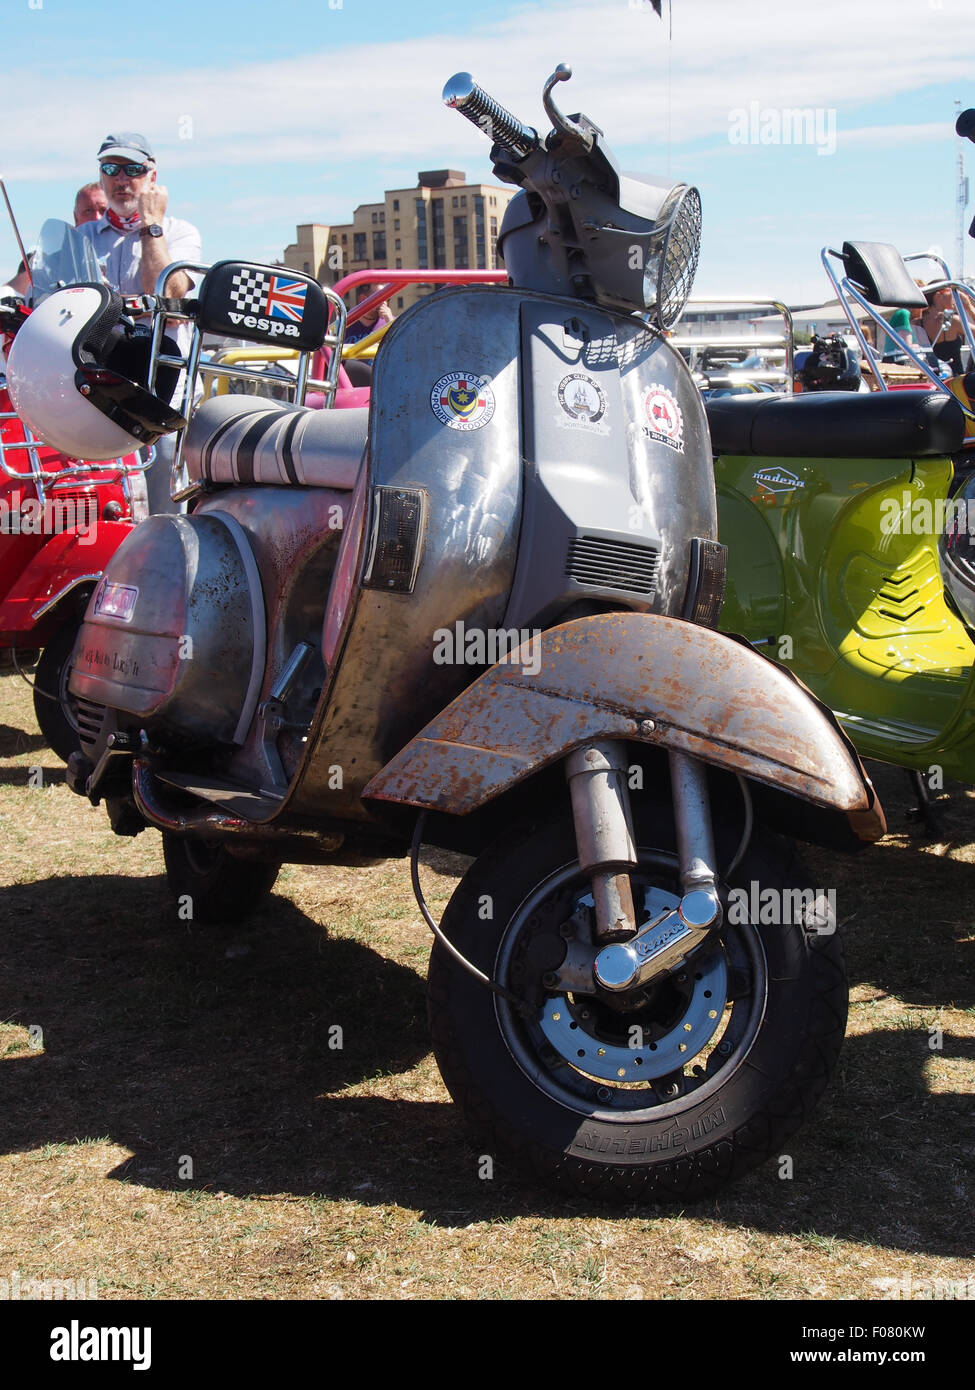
[184, 1125]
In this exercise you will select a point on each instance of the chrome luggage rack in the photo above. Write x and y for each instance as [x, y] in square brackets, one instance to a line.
[95, 473]
[230, 363]
[771, 344]
[846, 291]
[189, 366]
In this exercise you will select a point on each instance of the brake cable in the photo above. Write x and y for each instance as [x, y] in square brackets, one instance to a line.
[438, 932]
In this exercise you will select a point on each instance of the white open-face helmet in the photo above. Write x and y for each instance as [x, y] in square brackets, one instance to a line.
[74, 374]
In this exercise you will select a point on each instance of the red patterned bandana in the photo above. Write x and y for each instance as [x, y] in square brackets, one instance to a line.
[123, 224]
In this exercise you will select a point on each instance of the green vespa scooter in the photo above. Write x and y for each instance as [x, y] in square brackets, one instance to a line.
[841, 513]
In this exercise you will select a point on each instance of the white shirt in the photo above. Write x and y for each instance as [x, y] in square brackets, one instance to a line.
[119, 256]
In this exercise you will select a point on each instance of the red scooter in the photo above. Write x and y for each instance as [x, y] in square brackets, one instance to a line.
[61, 520]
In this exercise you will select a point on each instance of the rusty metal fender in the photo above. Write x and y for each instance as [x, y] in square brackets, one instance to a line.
[640, 677]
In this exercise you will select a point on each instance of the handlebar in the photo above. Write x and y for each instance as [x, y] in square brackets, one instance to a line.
[464, 95]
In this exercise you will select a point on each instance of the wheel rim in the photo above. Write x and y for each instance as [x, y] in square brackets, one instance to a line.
[202, 856]
[696, 1027]
[69, 706]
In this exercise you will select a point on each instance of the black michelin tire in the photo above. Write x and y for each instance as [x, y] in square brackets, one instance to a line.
[781, 1033]
[216, 886]
[52, 703]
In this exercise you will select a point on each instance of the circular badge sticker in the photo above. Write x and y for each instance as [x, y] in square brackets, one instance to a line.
[664, 419]
[463, 401]
[582, 399]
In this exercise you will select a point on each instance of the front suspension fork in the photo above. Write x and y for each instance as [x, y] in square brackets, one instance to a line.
[628, 957]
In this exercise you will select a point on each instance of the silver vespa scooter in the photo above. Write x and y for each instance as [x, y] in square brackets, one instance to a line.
[480, 614]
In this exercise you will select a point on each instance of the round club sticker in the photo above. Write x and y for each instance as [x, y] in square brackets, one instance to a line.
[462, 400]
[581, 399]
[665, 422]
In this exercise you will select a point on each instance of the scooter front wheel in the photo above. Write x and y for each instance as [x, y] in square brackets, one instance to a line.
[665, 1096]
[212, 884]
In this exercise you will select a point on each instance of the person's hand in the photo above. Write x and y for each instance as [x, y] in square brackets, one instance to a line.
[152, 204]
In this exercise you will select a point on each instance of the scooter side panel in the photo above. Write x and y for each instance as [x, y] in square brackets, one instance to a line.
[865, 623]
[168, 636]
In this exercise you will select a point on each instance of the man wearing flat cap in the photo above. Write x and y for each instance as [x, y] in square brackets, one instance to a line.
[134, 241]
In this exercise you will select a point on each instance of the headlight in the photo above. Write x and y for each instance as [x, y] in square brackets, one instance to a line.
[671, 264]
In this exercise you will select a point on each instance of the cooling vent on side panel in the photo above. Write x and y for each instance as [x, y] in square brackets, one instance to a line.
[612, 564]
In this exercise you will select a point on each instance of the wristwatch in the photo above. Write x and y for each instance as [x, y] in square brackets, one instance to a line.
[153, 229]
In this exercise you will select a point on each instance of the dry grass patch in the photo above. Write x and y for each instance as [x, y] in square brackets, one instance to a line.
[347, 1173]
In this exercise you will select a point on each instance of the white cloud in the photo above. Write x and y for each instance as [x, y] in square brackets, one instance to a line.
[341, 104]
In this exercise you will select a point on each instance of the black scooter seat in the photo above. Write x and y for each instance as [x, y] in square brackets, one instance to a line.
[247, 440]
[837, 424]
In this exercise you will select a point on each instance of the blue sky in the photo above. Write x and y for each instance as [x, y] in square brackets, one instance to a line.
[266, 115]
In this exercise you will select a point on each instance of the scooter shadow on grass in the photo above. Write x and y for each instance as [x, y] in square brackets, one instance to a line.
[219, 1045]
[36, 776]
[15, 742]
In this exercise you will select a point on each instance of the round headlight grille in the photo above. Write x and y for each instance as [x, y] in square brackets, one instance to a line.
[680, 246]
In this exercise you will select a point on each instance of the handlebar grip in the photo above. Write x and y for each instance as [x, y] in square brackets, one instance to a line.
[464, 95]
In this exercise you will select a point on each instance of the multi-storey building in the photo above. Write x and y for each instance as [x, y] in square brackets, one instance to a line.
[444, 223]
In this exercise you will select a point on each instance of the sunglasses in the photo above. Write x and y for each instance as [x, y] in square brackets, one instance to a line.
[134, 171]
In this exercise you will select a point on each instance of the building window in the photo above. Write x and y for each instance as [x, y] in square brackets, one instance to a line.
[358, 246]
[382, 219]
[379, 246]
[396, 224]
[345, 238]
[422, 259]
[479, 258]
[399, 302]
[375, 218]
[306, 267]
[494, 243]
[453, 201]
[463, 200]
[439, 235]
[396, 205]
[461, 256]
[399, 264]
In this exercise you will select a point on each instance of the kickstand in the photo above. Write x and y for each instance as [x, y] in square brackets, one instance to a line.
[924, 811]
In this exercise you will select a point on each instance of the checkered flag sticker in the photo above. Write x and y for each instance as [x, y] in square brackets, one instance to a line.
[248, 292]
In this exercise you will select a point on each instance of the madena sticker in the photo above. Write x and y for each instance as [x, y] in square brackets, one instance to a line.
[665, 422]
[462, 400]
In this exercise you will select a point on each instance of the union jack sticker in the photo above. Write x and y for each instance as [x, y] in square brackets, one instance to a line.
[273, 296]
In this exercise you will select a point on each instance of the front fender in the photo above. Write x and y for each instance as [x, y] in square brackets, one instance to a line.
[639, 677]
[68, 559]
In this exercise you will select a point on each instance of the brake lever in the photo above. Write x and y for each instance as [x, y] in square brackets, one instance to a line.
[579, 136]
